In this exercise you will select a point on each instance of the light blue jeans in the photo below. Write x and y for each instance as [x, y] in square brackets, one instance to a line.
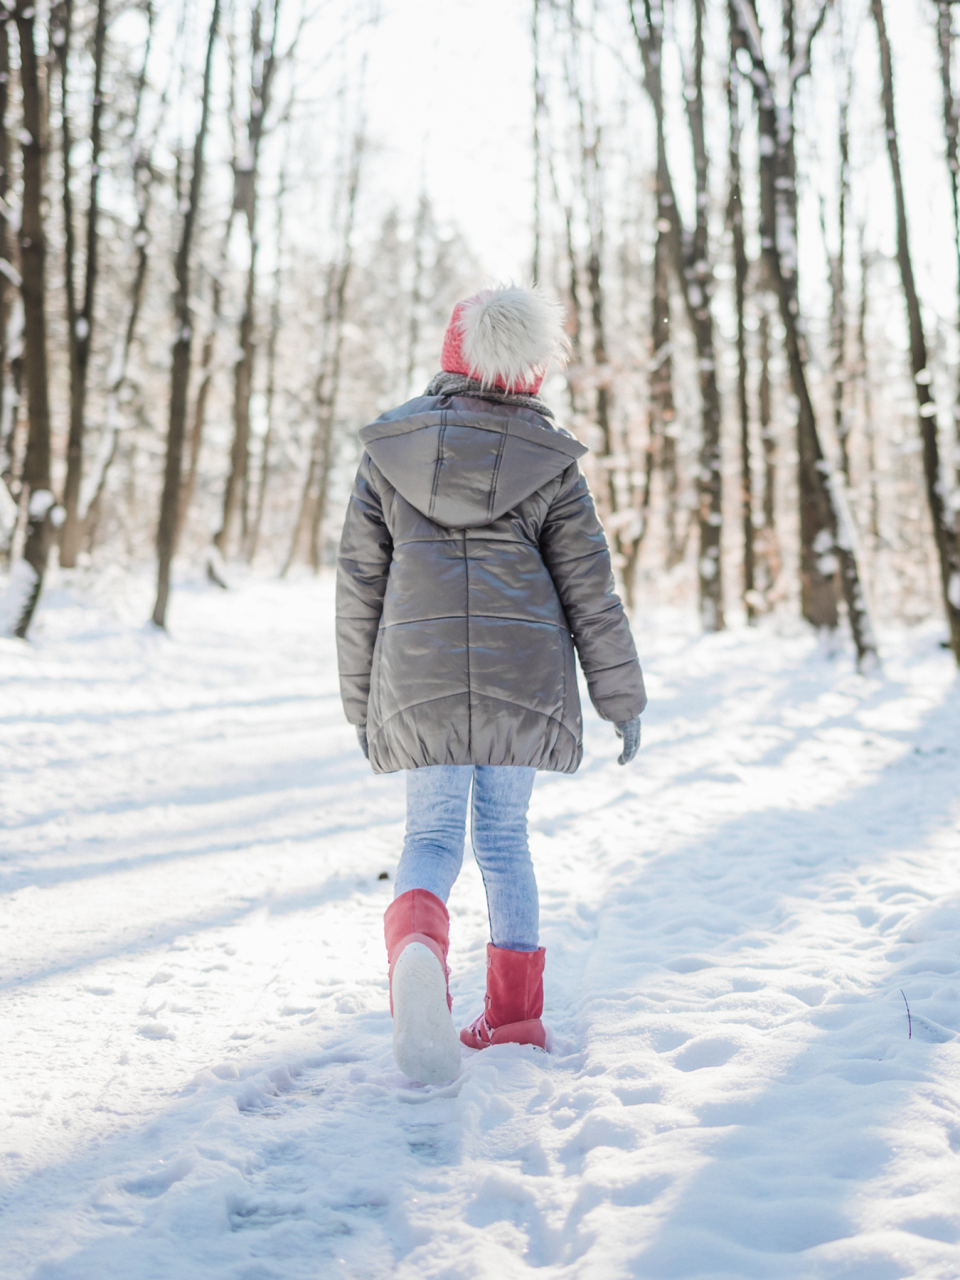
[433, 848]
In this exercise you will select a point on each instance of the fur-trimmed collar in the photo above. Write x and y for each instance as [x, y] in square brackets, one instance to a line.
[456, 384]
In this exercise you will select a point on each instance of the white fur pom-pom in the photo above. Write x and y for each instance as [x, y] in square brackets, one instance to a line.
[508, 333]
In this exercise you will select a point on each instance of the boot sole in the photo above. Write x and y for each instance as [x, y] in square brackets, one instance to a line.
[425, 1041]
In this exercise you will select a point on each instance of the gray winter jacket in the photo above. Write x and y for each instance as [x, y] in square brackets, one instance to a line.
[471, 563]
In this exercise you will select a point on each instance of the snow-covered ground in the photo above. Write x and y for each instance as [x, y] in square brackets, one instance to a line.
[195, 1047]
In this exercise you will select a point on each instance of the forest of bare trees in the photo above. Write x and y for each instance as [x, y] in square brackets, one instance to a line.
[203, 294]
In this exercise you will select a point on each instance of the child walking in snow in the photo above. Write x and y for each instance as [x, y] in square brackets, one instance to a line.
[471, 565]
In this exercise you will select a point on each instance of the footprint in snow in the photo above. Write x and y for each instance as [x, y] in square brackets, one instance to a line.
[155, 1184]
[705, 1053]
[931, 1032]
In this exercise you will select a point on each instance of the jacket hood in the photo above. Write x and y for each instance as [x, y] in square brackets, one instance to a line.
[464, 462]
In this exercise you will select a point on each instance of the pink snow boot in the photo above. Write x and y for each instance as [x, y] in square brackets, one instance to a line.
[514, 1000]
[416, 928]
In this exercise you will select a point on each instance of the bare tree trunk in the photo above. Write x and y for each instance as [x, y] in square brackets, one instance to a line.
[189, 484]
[7, 272]
[662, 446]
[80, 318]
[625, 524]
[10, 426]
[951, 109]
[770, 541]
[271, 388]
[601, 368]
[838, 289]
[826, 533]
[208, 350]
[207, 372]
[9, 276]
[837, 262]
[741, 270]
[263, 64]
[574, 371]
[869, 429]
[195, 434]
[327, 396]
[698, 274]
[538, 107]
[779, 212]
[144, 178]
[180, 364]
[695, 277]
[416, 291]
[574, 310]
[313, 499]
[328, 407]
[270, 398]
[615, 496]
[36, 468]
[661, 392]
[92, 497]
[943, 530]
[778, 237]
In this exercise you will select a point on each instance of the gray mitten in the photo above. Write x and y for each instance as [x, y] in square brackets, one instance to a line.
[362, 739]
[629, 731]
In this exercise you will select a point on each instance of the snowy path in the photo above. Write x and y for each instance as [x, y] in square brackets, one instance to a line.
[195, 1042]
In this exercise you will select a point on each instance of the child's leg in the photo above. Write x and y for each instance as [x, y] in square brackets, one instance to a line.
[436, 820]
[416, 927]
[501, 794]
[514, 999]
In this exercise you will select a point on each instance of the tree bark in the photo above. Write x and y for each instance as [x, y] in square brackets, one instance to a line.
[270, 394]
[778, 238]
[574, 321]
[826, 534]
[11, 327]
[698, 273]
[313, 499]
[144, 179]
[869, 428]
[36, 469]
[7, 271]
[80, 319]
[207, 371]
[613, 494]
[180, 363]
[951, 108]
[662, 413]
[770, 558]
[263, 64]
[416, 291]
[818, 589]
[695, 277]
[944, 532]
[538, 107]
[741, 268]
[838, 289]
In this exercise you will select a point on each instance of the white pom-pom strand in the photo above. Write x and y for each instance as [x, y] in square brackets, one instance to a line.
[509, 334]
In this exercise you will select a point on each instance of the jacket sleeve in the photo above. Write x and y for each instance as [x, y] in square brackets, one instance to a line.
[575, 551]
[363, 564]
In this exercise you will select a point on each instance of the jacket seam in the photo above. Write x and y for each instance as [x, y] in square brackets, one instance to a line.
[438, 468]
[496, 475]
[598, 616]
[425, 702]
[599, 671]
[457, 538]
[586, 556]
[457, 617]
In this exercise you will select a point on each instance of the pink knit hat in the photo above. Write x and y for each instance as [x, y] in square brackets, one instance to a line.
[505, 338]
